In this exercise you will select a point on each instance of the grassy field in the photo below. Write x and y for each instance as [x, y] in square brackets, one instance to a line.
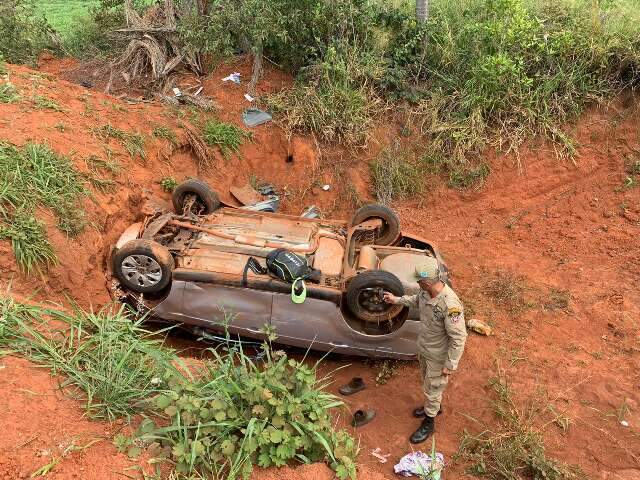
[62, 14]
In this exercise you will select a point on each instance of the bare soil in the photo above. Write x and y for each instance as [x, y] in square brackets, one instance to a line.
[563, 226]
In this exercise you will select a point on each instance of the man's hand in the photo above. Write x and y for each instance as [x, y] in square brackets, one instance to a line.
[390, 298]
[446, 372]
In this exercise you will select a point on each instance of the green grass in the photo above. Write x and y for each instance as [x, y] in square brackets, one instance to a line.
[216, 419]
[64, 15]
[44, 103]
[166, 133]
[8, 93]
[133, 143]
[514, 448]
[225, 136]
[108, 360]
[30, 177]
[168, 184]
[395, 176]
[29, 241]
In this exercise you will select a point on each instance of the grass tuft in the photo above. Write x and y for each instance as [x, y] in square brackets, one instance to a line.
[168, 184]
[225, 136]
[515, 448]
[29, 241]
[132, 142]
[8, 93]
[35, 176]
[507, 290]
[166, 133]
[43, 103]
[395, 176]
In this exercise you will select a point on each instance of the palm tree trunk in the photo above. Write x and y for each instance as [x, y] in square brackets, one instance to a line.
[422, 10]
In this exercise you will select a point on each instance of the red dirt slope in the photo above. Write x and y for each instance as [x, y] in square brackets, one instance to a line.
[558, 225]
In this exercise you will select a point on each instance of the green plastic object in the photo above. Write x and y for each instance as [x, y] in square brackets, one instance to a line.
[295, 298]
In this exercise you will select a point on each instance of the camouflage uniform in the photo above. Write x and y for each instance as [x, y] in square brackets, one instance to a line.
[441, 341]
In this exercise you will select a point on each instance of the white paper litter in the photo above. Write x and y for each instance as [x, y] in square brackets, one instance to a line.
[177, 92]
[233, 77]
[249, 97]
[326, 188]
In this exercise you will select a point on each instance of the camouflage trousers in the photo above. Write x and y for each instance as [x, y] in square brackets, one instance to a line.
[433, 385]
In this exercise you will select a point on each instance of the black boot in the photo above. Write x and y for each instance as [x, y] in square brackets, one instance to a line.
[419, 412]
[424, 431]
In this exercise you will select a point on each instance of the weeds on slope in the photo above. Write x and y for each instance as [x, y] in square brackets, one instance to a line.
[109, 361]
[133, 143]
[225, 136]
[30, 177]
[218, 419]
[515, 448]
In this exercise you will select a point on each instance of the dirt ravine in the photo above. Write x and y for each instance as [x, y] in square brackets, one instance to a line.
[560, 225]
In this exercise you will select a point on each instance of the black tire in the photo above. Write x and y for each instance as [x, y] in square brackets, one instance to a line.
[143, 266]
[205, 196]
[391, 222]
[373, 282]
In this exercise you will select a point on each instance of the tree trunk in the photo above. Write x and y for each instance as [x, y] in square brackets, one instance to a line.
[256, 74]
[422, 10]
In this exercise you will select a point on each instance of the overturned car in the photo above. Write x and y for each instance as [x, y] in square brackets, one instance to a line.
[192, 267]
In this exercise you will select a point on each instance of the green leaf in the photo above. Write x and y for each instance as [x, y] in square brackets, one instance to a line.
[275, 436]
[163, 402]
[134, 452]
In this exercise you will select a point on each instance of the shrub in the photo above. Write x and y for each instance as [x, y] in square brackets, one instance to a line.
[239, 413]
[24, 33]
[394, 176]
[225, 136]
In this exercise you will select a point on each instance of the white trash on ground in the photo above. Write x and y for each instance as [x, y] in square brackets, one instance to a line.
[420, 464]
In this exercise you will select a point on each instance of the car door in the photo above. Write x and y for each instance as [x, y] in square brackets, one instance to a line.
[242, 311]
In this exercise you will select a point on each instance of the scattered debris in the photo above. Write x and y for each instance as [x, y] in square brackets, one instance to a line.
[624, 423]
[326, 188]
[266, 189]
[199, 148]
[421, 465]
[249, 97]
[311, 212]
[270, 205]
[380, 456]
[246, 194]
[201, 101]
[355, 385]
[479, 327]
[177, 92]
[232, 77]
[252, 117]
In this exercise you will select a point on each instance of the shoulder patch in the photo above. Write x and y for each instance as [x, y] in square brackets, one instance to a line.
[455, 311]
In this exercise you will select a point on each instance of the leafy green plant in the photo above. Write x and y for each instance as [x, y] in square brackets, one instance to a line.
[394, 176]
[24, 32]
[238, 413]
[225, 136]
[166, 133]
[8, 92]
[133, 143]
[168, 184]
[43, 103]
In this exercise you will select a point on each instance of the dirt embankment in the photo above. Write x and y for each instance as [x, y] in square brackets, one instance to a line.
[570, 231]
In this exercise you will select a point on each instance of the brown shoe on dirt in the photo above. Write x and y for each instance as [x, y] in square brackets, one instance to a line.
[362, 417]
[354, 386]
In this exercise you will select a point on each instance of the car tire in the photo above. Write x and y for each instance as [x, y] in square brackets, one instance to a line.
[207, 198]
[143, 266]
[364, 295]
[391, 222]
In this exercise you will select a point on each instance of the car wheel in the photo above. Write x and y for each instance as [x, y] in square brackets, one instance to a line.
[195, 195]
[390, 222]
[364, 295]
[143, 266]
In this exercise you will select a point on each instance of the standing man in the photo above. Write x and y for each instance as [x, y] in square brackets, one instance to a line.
[441, 340]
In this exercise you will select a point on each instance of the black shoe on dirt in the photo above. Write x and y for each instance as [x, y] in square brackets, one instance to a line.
[424, 431]
[419, 412]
